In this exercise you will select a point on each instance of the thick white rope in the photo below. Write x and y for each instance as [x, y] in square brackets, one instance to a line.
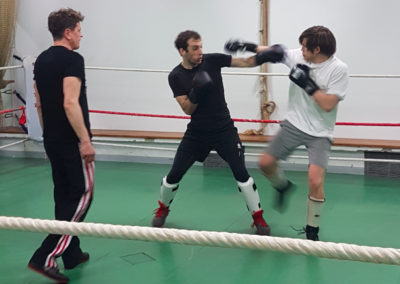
[251, 154]
[382, 76]
[11, 67]
[14, 143]
[206, 238]
[246, 154]
[232, 73]
[224, 73]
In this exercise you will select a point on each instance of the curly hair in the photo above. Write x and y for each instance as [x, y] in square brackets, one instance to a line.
[65, 18]
[183, 37]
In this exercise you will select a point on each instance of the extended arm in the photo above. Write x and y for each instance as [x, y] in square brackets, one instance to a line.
[273, 54]
[71, 89]
[244, 61]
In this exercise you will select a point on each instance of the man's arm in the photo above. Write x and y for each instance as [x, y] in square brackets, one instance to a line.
[37, 104]
[244, 62]
[71, 89]
[273, 54]
[326, 101]
[201, 85]
[300, 75]
[187, 106]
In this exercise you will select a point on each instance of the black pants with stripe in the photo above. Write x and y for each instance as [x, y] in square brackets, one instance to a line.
[73, 190]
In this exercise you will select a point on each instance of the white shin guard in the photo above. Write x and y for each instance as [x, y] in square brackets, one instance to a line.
[167, 192]
[250, 195]
[314, 210]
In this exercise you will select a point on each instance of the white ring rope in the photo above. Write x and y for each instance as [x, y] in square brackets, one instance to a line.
[206, 238]
[253, 154]
[128, 69]
[246, 154]
[224, 73]
[11, 67]
[134, 146]
[14, 143]
[232, 73]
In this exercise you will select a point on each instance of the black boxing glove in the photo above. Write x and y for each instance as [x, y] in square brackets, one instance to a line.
[201, 82]
[300, 75]
[274, 54]
[234, 45]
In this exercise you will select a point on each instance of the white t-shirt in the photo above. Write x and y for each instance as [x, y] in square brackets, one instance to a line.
[331, 77]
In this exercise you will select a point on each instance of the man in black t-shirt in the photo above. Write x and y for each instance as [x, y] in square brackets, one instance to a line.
[197, 86]
[63, 111]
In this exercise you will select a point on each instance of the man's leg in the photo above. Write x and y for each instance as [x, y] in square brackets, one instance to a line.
[269, 167]
[315, 202]
[184, 159]
[230, 148]
[72, 195]
[287, 139]
[80, 177]
[318, 151]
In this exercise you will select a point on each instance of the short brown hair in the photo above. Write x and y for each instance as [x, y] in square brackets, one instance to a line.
[65, 18]
[319, 36]
[183, 37]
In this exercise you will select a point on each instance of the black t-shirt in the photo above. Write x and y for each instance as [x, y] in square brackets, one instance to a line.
[51, 67]
[212, 111]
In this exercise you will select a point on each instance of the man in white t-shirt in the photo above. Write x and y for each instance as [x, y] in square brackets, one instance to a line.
[319, 81]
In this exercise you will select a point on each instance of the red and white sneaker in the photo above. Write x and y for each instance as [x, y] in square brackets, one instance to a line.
[262, 227]
[161, 214]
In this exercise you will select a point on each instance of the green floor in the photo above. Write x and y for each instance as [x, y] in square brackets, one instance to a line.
[360, 210]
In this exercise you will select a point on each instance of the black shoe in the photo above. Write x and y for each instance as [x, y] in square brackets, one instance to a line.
[83, 258]
[52, 273]
[282, 197]
[310, 231]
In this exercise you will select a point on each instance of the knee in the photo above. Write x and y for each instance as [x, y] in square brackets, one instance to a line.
[266, 164]
[315, 182]
[239, 171]
[173, 178]
[241, 176]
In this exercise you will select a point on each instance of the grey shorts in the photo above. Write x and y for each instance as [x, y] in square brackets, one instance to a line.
[289, 138]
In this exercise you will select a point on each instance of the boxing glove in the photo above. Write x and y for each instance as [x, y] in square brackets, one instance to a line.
[300, 75]
[233, 45]
[201, 83]
[274, 54]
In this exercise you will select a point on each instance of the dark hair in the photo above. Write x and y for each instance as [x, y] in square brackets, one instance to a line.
[65, 18]
[319, 36]
[182, 39]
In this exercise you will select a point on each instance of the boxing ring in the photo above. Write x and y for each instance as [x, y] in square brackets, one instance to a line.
[152, 243]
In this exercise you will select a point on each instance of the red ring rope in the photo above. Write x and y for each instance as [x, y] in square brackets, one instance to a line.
[234, 119]
[237, 119]
[12, 110]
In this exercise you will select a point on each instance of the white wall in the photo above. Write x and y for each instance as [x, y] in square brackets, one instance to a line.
[140, 34]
